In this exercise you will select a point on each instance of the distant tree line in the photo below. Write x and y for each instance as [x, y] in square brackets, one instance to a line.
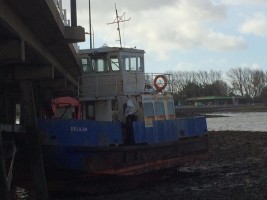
[246, 82]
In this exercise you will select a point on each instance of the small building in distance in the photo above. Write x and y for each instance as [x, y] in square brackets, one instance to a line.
[216, 100]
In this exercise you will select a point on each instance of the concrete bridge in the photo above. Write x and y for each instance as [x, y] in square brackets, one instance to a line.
[38, 61]
[36, 43]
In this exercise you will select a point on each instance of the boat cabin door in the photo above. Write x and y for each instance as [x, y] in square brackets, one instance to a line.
[90, 110]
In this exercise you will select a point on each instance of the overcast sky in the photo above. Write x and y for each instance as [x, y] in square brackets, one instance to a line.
[184, 34]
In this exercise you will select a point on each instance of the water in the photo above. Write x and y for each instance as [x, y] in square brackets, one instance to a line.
[247, 121]
[21, 193]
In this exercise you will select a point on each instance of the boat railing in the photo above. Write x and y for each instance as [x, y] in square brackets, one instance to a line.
[97, 85]
[151, 80]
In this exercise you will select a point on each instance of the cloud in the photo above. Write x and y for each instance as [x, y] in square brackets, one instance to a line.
[161, 26]
[182, 66]
[256, 66]
[256, 25]
[138, 6]
[253, 66]
[183, 26]
[222, 42]
[244, 2]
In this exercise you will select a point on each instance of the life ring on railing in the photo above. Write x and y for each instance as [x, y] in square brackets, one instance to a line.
[161, 86]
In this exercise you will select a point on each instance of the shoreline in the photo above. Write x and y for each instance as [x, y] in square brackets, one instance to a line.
[191, 111]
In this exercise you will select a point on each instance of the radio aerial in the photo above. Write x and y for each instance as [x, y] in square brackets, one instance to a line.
[117, 21]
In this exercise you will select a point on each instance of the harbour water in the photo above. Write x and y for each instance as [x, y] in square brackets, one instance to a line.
[244, 121]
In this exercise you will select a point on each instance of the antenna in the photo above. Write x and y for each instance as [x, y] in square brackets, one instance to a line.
[90, 25]
[117, 21]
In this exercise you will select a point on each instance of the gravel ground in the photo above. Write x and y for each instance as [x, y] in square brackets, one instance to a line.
[236, 168]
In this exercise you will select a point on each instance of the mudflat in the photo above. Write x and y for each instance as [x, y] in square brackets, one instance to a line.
[236, 168]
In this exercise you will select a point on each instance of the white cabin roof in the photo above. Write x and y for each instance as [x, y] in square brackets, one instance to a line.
[106, 49]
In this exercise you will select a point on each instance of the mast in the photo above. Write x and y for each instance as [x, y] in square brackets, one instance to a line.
[117, 21]
[90, 25]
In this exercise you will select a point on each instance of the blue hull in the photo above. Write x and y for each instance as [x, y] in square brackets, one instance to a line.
[99, 147]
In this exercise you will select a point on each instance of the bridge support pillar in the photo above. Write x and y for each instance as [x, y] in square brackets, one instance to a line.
[3, 176]
[33, 139]
[73, 12]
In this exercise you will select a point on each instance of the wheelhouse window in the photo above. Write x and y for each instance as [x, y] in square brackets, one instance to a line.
[114, 62]
[85, 65]
[159, 108]
[99, 64]
[126, 63]
[133, 63]
[140, 64]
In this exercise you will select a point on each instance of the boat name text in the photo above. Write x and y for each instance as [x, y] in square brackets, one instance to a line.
[78, 129]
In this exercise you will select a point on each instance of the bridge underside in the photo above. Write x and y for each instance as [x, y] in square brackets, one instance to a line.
[35, 45]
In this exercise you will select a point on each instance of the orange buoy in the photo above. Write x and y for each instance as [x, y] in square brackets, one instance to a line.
[161, 86]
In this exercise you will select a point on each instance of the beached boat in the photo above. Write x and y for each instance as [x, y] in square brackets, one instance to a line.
[123, 121]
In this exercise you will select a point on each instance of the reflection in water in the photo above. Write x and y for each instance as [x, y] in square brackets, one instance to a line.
[21, 194]
[247, 121]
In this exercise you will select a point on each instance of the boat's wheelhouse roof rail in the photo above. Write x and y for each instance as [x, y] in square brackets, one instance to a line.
[106, 49]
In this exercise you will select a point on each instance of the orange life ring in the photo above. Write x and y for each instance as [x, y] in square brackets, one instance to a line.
[158, 87]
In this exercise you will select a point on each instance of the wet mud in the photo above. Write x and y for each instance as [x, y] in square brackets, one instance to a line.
[236, 168]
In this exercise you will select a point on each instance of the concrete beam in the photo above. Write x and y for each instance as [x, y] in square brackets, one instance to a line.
[12, 51]
[74, 34]
[57, 83]
[60, 87]
[33, 72]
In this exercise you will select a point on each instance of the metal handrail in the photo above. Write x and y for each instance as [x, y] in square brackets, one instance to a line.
[62, 12]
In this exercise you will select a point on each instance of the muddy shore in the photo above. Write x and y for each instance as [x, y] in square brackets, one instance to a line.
[236, 168]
